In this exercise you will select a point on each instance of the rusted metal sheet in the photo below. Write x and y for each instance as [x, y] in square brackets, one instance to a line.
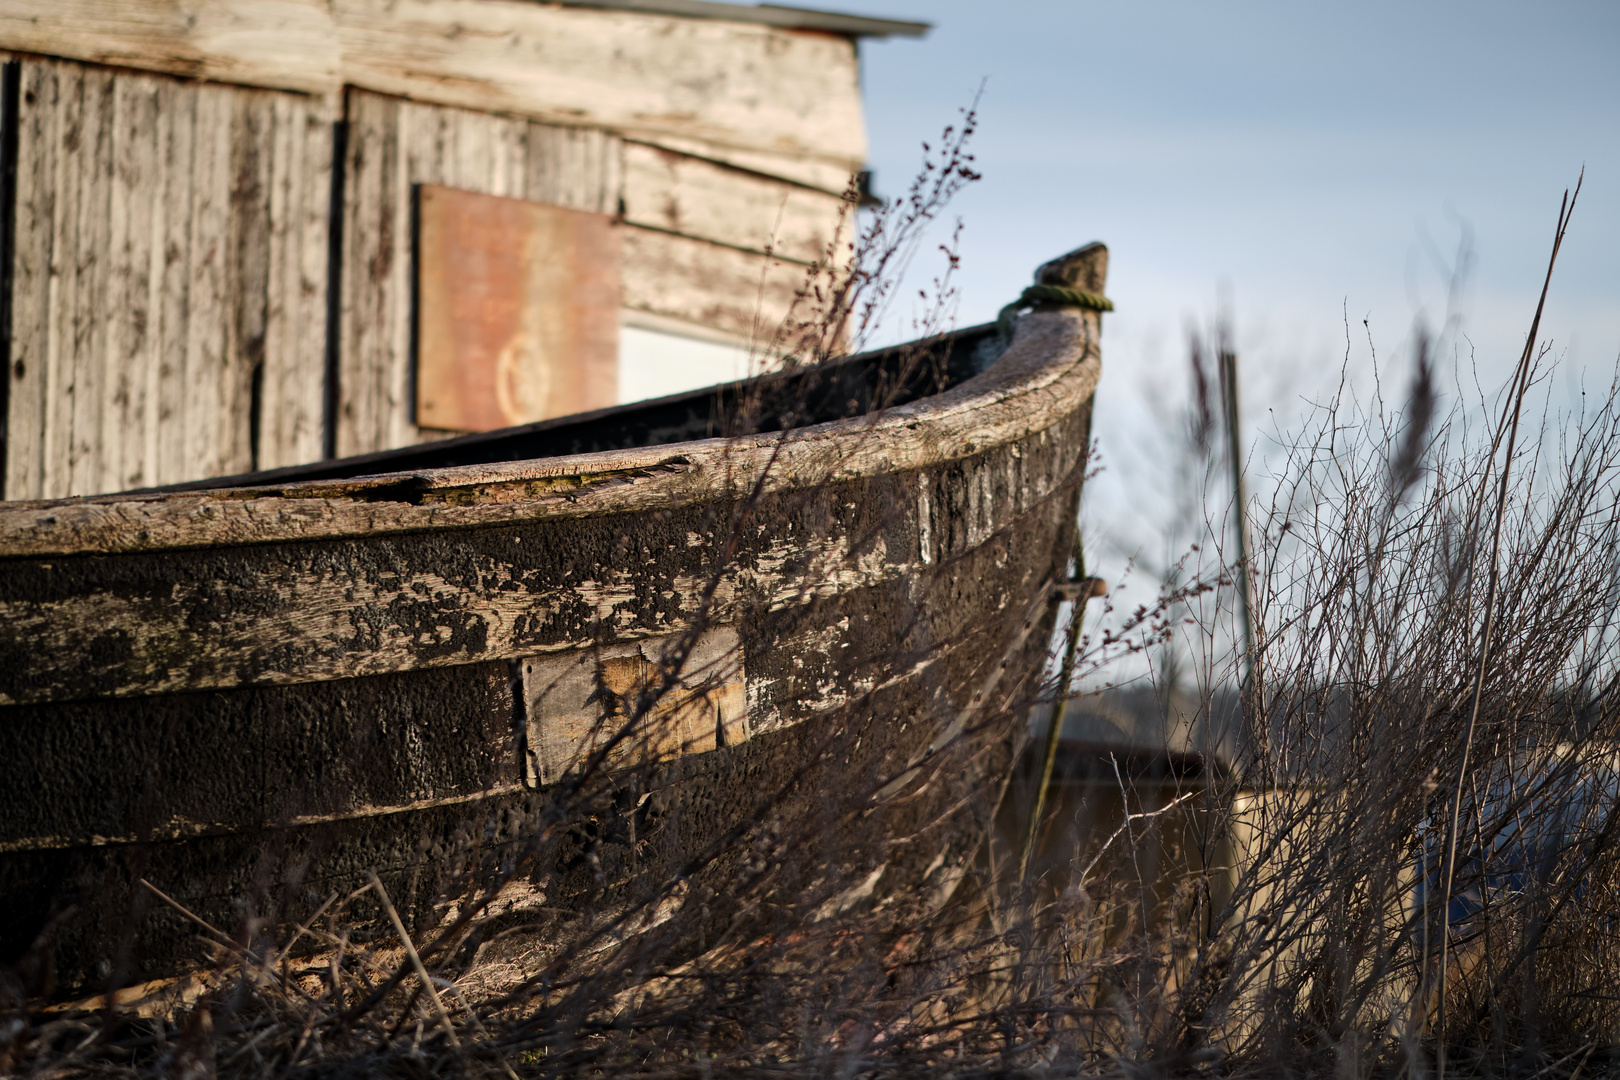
[518, 316]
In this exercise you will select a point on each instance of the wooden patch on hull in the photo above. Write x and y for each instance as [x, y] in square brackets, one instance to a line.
[579, 703]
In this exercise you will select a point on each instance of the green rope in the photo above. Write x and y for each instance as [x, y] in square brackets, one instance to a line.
[1058, 296]
[1051, 296]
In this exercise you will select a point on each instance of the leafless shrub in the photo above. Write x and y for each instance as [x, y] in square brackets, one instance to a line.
[1279, 912]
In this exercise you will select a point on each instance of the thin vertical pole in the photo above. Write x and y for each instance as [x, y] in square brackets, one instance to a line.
[1240, 515]
[1054, 730]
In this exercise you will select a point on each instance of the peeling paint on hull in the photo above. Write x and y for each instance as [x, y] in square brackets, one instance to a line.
[265, 690]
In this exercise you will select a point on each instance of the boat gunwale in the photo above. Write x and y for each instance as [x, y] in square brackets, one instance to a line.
[1053, 353]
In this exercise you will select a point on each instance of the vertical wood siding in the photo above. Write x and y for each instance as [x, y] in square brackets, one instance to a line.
[296, 311]
[170, 264]
[169, 280]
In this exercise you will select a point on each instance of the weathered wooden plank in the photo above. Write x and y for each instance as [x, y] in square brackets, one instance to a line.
[1049, 371]
[247, 281]
[785, 102]
[276, 43]
[430, 736]
[284, 411]
[829, 177]
[509, 157]
[177, 119]
[88, 465]
[68, 136]
[579, 168]
[314, 752]
[469, 158]
[120, 332]
[697, 198]
[372, 224]
[31, 282]
[299, 614]
[699, 282]
[783, 93]
[207, 386]
[303, 440]
[156, 256]
[790, 94]
[292, 397]
[135, 185]
[65, 279]
[426, 149]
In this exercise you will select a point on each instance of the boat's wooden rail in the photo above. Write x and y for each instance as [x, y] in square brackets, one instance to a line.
[1050, 368]
[190, 606]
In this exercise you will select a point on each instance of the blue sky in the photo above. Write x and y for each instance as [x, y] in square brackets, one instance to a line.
[1314, 161]
[1291, 153]
[1296, 153]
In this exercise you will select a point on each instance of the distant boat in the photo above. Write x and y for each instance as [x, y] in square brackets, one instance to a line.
[257, 688]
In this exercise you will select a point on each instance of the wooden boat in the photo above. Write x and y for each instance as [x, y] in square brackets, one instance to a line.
[253, 690]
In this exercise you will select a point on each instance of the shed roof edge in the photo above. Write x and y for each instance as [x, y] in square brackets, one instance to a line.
[787, 18]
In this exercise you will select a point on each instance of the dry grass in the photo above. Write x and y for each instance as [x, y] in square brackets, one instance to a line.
[1276, 914]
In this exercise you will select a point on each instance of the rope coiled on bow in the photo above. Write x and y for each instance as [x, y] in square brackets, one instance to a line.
[1052, 296]
[1059, 296]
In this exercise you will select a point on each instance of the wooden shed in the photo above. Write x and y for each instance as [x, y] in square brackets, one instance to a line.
[245, 234]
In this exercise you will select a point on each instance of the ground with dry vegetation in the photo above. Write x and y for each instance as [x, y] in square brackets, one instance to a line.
[1407, 862]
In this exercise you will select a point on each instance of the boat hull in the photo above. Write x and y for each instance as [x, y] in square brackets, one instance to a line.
[249, 698]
